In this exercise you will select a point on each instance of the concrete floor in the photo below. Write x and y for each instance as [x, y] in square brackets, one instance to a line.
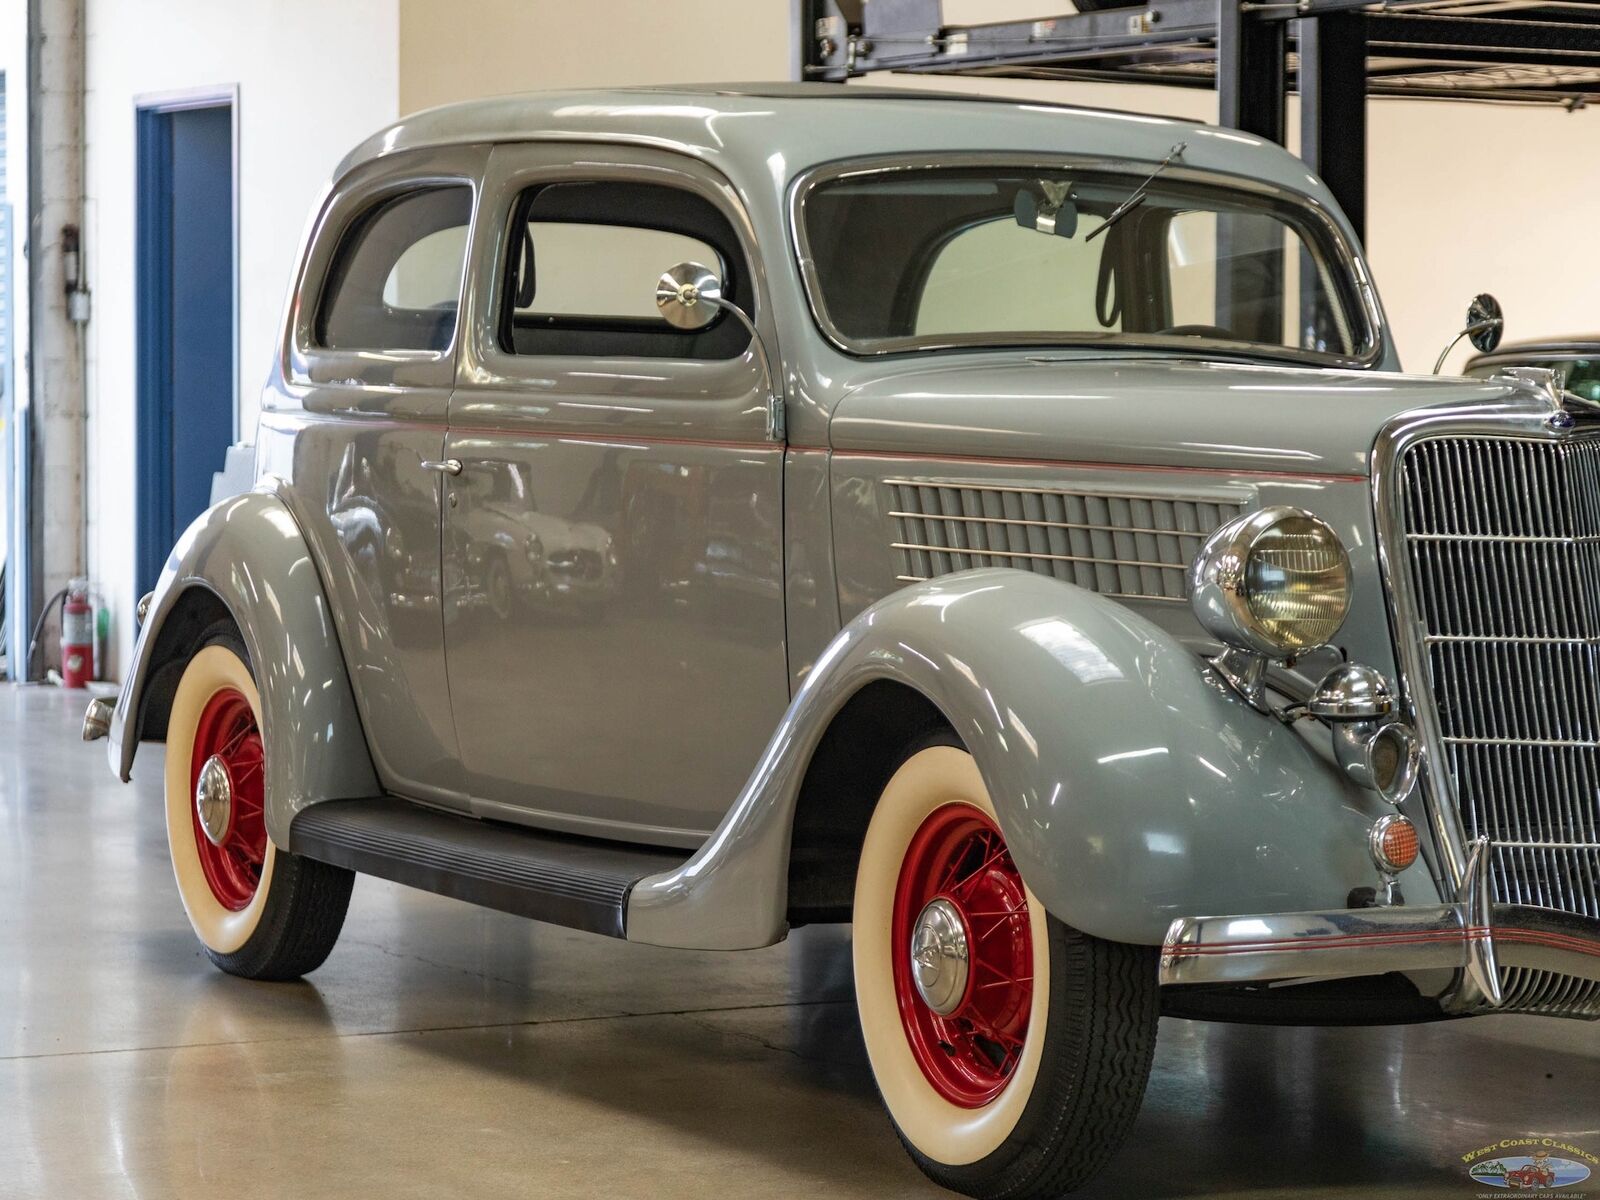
[447, 1051]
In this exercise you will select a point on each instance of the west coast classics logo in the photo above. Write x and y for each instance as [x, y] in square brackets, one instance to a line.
[1530, 1165]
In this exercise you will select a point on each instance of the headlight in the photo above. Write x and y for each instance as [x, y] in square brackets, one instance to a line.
[1274, 582]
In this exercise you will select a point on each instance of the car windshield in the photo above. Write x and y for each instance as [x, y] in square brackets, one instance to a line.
[1583, 377]
[1578, 375]
[911, 259]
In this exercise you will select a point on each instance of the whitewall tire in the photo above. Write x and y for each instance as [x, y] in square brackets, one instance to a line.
[1011, 1051]
[257, 910]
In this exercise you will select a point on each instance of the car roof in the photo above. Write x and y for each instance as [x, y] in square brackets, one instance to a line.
[1577, 343]
[868, 92]
[749, 124]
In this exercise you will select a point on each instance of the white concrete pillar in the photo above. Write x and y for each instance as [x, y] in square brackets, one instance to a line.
[58, 325]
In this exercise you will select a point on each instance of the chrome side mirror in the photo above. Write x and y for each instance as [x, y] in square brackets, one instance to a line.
[689, 296]
[1486, 325]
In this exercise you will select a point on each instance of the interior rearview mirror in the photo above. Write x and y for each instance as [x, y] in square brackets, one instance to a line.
[689, 295]
[1049, 210]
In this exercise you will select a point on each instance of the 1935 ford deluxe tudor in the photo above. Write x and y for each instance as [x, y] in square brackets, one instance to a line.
[689, 514]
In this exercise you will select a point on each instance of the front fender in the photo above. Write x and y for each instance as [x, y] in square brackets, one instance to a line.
[1132, 786]
[250, 554]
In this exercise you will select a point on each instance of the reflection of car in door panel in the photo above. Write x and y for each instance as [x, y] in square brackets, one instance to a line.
[1033, 557]
[523, 555]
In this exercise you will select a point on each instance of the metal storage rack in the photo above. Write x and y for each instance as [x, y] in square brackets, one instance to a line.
[1335, 53]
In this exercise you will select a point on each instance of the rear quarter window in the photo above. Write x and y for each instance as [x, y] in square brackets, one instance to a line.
[395, 279]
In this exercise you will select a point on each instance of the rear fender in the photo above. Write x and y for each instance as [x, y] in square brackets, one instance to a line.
[1132, 786]
[247, 557]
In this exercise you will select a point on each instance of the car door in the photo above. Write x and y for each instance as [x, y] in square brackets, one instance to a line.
[370, 363]
[614, 613]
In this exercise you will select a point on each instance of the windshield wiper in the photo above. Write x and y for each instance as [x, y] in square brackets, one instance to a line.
[1138, 195]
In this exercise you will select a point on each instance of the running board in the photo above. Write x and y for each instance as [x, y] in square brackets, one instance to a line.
[579, 882]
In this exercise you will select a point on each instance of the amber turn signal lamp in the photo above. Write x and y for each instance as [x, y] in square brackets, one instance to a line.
[1394, 844]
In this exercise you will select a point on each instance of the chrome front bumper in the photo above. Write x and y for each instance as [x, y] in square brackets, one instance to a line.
[1473, 935]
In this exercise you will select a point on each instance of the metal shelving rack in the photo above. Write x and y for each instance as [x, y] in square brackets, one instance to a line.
[1335, 53]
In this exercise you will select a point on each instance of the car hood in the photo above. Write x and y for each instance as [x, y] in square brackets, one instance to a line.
[1158, 412]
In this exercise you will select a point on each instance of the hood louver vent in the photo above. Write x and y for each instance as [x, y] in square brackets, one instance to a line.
[1134, 546]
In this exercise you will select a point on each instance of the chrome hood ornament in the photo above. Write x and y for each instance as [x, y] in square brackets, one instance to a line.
[1564, 407]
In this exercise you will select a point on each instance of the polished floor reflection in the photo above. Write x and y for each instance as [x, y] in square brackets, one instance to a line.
[448, 1051]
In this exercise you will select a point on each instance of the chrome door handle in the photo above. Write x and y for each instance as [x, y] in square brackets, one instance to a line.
[445, 466]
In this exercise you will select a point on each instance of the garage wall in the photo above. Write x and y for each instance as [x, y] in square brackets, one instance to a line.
[474, 48]
[313, 79]
[1464, 197]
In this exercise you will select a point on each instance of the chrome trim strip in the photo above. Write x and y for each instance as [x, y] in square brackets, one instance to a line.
[1349, 943]
[964, 519]
[1375, 344]
[1513, 539]
[1474, 638]
[1083, 558]
[1112, 595]
[1514, 845]
[1457, 740]
[1227, 494]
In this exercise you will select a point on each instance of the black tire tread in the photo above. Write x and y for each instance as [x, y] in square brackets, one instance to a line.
[1099, 1045]
[306, 900]
[305, 912]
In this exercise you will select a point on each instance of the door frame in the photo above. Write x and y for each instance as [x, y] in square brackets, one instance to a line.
[152, 295]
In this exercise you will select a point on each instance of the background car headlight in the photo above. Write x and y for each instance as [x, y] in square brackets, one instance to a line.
[1274, 582]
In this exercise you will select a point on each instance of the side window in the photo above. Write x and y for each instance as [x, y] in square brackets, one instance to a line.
[395, 280]
[603, 272]
[1000, 276]
[584, 261]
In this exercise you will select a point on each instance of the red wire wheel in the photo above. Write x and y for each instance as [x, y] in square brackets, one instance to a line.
[232, 864]
[970, 1053]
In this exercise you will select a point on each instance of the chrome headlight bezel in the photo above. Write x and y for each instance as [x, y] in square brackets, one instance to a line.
[1219, 581]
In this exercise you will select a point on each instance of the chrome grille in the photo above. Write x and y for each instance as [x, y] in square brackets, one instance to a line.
[1134, 546]
[1503, 548]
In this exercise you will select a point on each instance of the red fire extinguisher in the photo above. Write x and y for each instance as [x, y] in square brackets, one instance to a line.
[77, 636]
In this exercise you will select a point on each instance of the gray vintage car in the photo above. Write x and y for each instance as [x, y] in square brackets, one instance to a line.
[1576, 360]
[1026, 548]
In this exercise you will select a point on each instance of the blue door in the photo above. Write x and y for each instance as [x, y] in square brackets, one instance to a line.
[186, 319]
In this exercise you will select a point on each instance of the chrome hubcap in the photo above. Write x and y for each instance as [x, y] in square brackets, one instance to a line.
[213, 800]
[939, 956]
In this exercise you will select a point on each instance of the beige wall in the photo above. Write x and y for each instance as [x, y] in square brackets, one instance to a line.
[1464, 197]
[455, 51]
